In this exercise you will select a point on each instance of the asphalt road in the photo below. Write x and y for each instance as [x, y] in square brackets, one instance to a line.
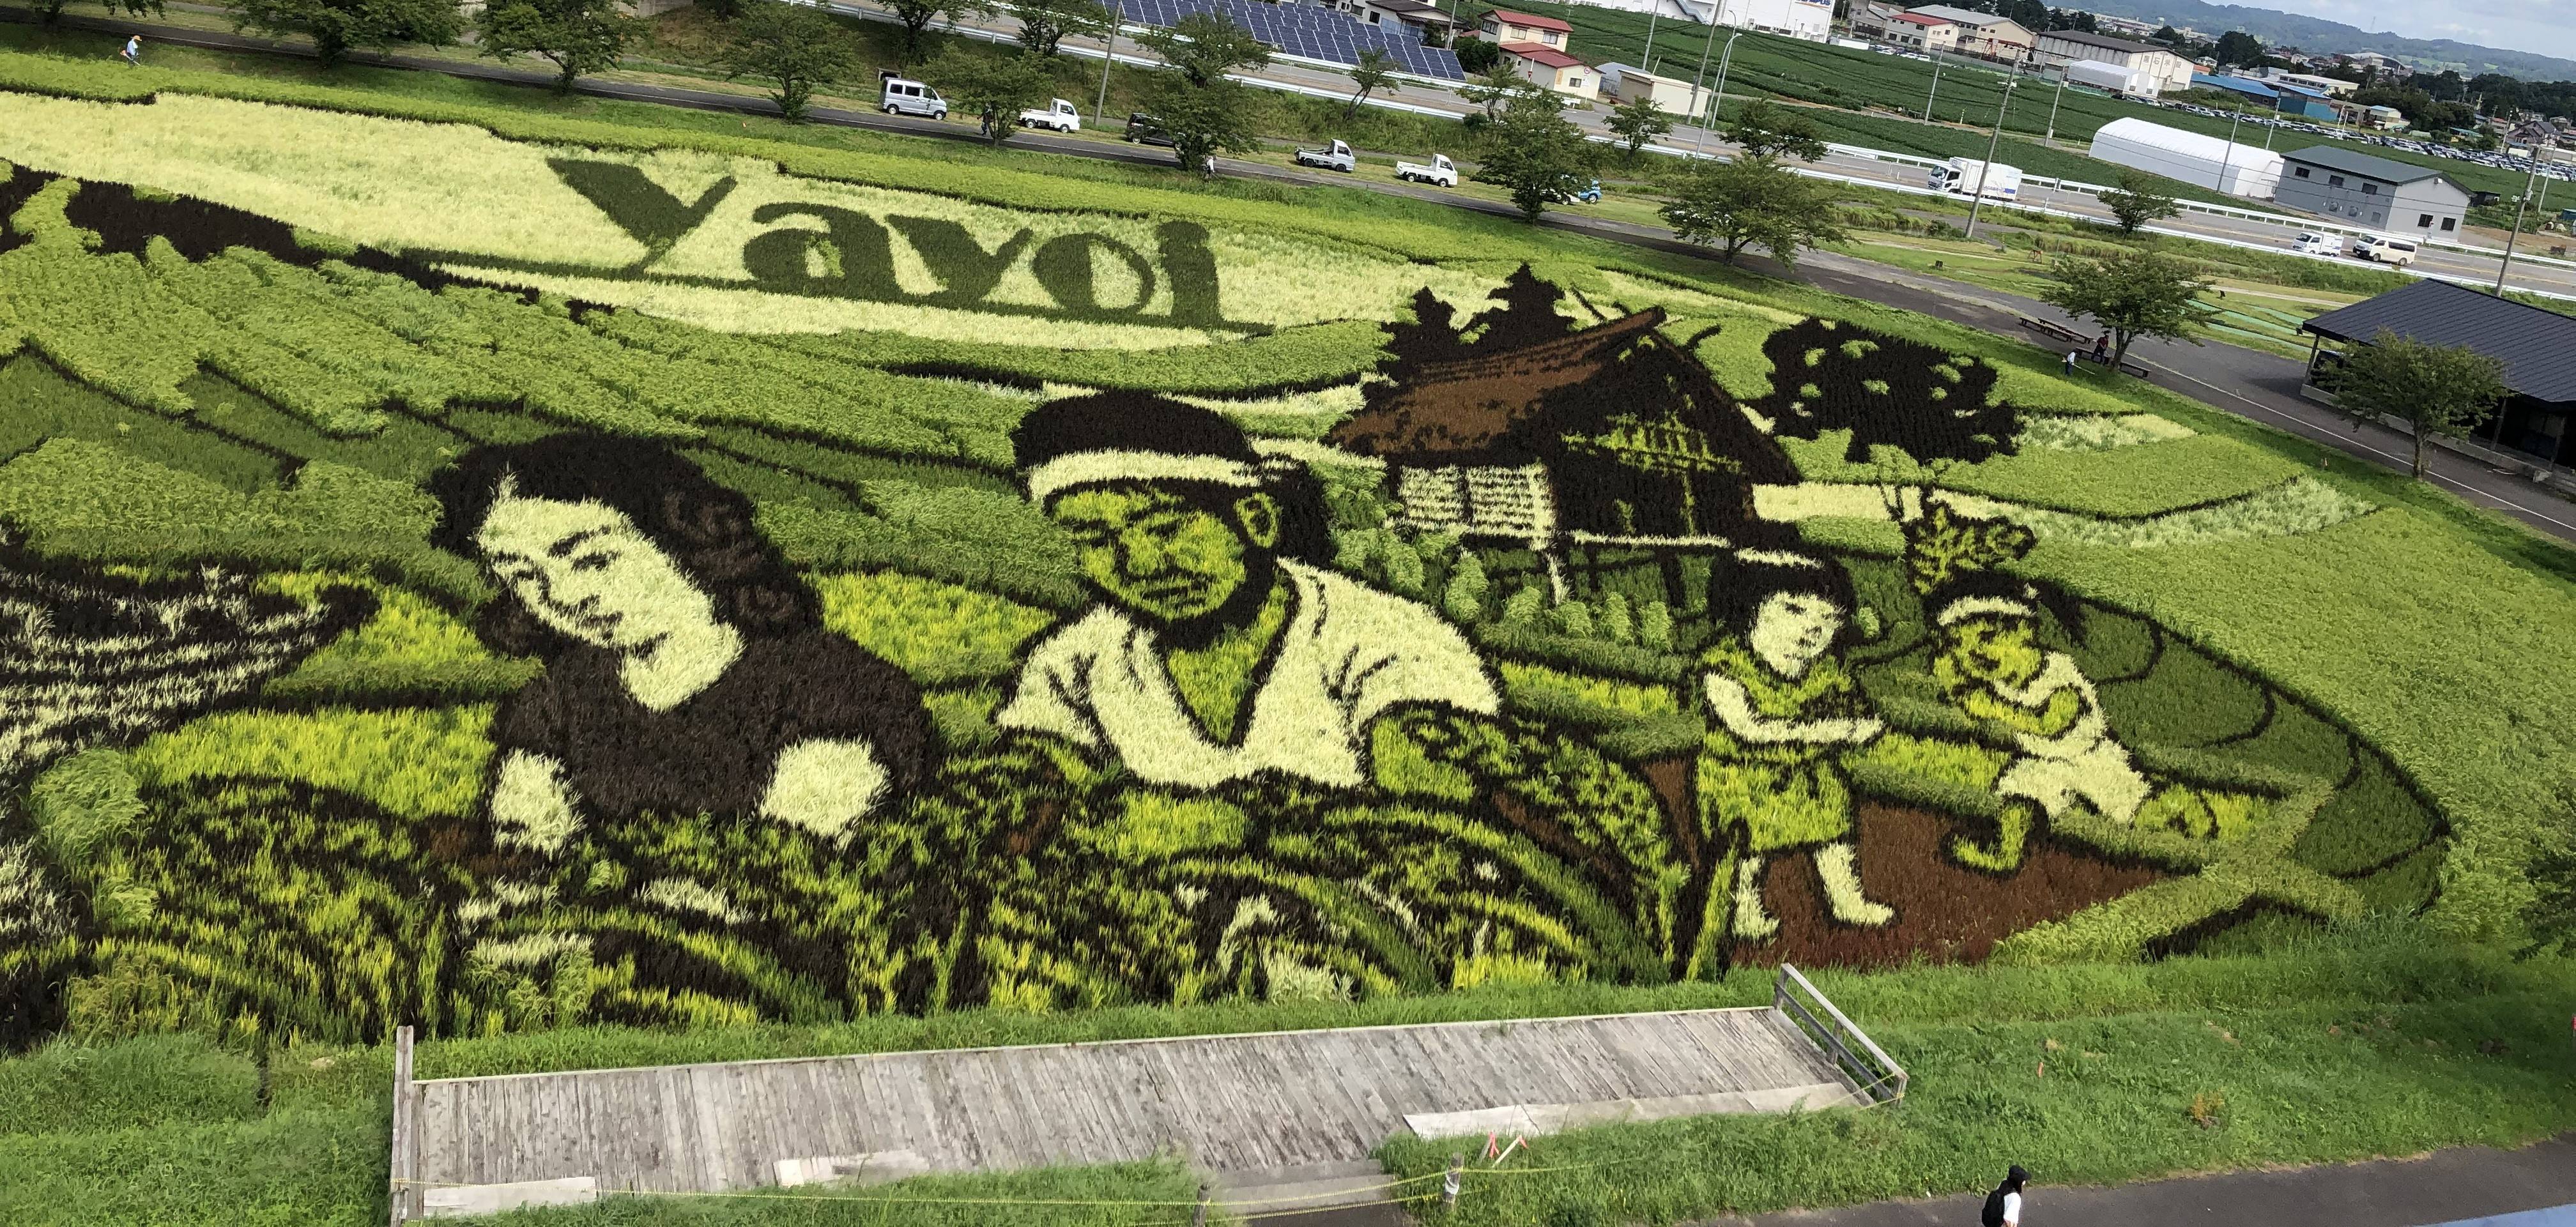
[2240, 381]
[2443, 1187]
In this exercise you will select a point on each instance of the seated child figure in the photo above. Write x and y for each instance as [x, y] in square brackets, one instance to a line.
[1992, 665]
[1785, 709]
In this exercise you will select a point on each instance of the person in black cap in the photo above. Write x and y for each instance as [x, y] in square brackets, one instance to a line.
[2003, 1206]
[1221, 649]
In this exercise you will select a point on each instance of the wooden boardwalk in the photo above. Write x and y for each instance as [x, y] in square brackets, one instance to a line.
[1230, 1103]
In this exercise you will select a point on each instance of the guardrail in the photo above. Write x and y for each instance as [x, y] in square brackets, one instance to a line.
[1869, 1067]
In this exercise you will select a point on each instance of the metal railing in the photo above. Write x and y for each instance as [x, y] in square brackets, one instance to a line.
[1869, 1067]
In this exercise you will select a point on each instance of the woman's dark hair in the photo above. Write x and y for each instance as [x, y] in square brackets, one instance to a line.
[1738, 587]
[1144, 422]
[707, 529]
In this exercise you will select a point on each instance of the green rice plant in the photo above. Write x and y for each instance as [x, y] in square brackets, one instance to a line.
[939, 633]
[416, 763]
[47, 406]
[411, 649]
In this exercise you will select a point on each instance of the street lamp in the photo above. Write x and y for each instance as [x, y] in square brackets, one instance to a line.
[2518, 207]
[1994, 145]
[1700, 140]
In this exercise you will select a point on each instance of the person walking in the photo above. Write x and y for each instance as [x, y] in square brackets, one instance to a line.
[133, 53]
[2003, 1206]
[2102, 348]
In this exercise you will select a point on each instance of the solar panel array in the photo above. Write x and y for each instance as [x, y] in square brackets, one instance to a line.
[1311, 31]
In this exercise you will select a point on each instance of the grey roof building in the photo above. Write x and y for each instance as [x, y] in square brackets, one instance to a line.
[2537, 347]
[2351, 186]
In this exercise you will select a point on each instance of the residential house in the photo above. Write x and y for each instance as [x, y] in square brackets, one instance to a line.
[2365, 190]
[1553, 69]
[1916, 32]
[2058, 48]
[1507, 27]
[1984, 34]
[1428, 21]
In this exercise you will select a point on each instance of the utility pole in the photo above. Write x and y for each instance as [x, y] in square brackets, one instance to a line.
[2228, 157]
[1936, 88]
[1994, 145]
[2518, 207]
[1646, 61]
[1108, 56]
[2051, 136]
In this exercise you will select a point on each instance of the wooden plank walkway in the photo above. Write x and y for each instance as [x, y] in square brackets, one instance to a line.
[1230, 1103]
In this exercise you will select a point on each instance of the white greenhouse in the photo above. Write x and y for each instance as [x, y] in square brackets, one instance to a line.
[2203, 161]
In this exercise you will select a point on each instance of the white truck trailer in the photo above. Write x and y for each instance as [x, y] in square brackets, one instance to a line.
[1962, 177]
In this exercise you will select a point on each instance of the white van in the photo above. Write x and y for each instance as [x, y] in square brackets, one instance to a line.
[2311, 243]
[903, 97]
[2383, 248]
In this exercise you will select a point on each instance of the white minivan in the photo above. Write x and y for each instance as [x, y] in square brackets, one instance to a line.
[2383, 248]
[2311, 243]
[903, 97]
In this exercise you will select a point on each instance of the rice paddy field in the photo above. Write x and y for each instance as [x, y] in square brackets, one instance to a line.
[606, 586]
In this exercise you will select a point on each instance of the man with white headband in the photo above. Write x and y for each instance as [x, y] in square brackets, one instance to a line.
[1219, 650]
[1993, 665]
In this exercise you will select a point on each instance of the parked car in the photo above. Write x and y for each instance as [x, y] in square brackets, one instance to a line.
[1337, 156]
[1144, 129]
[2383, 249]
[902, 96]
[1059, 115]
[2310, 243]
[1440, 171]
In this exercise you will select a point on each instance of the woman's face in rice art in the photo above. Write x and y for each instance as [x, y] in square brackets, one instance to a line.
[1792, 630]
[586, 571]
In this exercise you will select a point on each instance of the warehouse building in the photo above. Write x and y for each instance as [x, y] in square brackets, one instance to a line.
[2537, 347]
[1812, 20]
[2352, 186]
[2190, 157]
[1671, 95]
[2059, 48]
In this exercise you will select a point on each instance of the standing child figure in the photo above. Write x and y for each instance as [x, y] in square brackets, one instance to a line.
[133, 53]
[1785, 709]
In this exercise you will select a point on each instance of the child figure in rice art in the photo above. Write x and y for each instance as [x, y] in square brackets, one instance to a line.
[1784, 711]
[1992, 665]
[698, 738]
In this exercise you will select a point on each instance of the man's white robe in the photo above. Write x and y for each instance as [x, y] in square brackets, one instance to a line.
[1348, 654]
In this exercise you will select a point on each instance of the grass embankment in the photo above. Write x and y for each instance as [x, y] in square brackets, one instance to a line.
[2363, 1043]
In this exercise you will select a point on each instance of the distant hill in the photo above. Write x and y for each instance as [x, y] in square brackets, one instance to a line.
[2315, 34]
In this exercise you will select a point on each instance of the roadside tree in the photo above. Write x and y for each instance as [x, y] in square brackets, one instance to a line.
[1203, 47]
[1767, 129]
[2137, 201]
[2436, 389]
[1535, 153]
[1748, 201]
[1201, 110]
[797, 46]
[335, 26]
[2238, 47]
[1374, 72]
[1044, 23]
[1475, 55]
[2132, 294]
[916, 16]
[997, 88]
[579, 37]
[1637, 122]
[1494, 90]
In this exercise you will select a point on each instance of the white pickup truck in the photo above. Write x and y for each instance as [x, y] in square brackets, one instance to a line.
[1059, 115]
[1337, 157]
[1440, 171]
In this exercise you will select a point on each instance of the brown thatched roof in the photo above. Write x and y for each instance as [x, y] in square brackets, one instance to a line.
[1467, 409]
